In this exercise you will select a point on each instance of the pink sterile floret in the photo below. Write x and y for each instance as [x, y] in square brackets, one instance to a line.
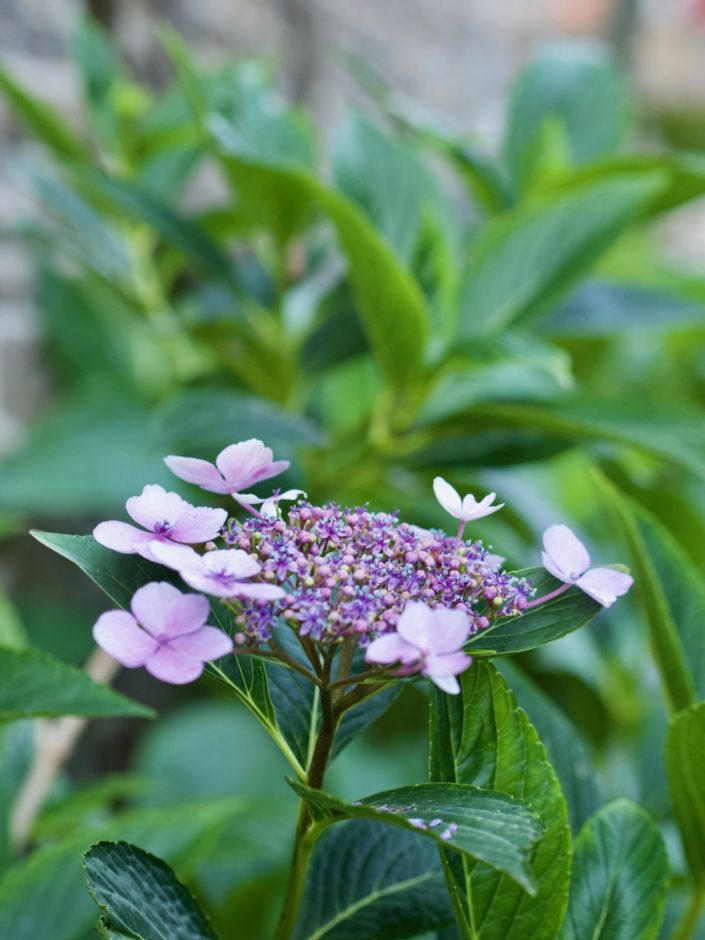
[429, 639]
[166, 633]
[566, 558]
[236, 467]
[165, 517]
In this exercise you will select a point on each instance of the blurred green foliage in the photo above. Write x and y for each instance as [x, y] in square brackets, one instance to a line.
[383, 304]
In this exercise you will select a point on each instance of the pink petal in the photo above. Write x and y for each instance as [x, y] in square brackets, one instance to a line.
[391, 648]
[448, 497]
[178, 557]
[198, 524]
[447, 684]
[204, 645]
[566, 553]
[232, 561]
[272, 470]
[121, 537]
[165, 612]
[445, 664]
[170, 666]
[416, 625]
[605, 585]
[117, 633]
[208, 583]
[258, 592]
[241, 463]
[155, 505]
[200, 472]
[451, 629]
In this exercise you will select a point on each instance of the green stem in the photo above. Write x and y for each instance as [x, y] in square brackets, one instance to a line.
[687, 924]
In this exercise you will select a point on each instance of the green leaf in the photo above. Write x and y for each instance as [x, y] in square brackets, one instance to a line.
[391, 305]
[576, 85]
[525, 259]
[387, 180]
[482, 738]
[541, 624]
[141, 896]
[491, 826]
[32, 683]
[567, 751]
[41, 120]
[12, 635]
[367, 882]
[43, 896]
[672, 596]
[685, 765]
[620, 877]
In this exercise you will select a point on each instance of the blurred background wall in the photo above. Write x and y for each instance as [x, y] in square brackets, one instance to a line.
[453, 56]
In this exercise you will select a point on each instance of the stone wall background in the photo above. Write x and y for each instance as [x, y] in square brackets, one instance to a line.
[455, 56]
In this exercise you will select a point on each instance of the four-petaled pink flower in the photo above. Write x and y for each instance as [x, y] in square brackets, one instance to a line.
[466, 509]
[221, 573]
[166, 517]
[428, 639]
[166, 633]
[566, 558]
[235, 468]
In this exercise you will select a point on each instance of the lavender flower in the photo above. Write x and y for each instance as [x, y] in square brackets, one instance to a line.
[165, 633]
[428, 640]
[220, 573]
[566, 558]
[165, 517]
[236, 467]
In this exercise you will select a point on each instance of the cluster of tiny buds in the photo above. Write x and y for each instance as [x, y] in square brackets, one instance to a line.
[352, 571]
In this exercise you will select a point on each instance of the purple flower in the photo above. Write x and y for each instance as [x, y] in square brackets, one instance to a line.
[166, 517]
[566, 558]
[220, 573]
[237, 467]
[466, 509]
[166, 633]
[429, 638]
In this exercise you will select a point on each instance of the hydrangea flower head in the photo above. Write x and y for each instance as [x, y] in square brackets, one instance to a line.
[166, 633]
[467, 508]
[428, 639]
[236, 467]
[566, 558]
[165, 517]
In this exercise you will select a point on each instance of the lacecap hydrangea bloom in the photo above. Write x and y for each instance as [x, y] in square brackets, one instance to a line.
[340, 579]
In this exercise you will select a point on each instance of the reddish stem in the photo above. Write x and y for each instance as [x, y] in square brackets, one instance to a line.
[548, 597]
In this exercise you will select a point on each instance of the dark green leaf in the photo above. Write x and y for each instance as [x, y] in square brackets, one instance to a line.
[481, 737]
[525, 259]
[673, 599]
[540, 625]
[32, 683]
[620, 877]
[369, 882]
[491, 826]
[141, 895]
[566, 749]
[685, 765]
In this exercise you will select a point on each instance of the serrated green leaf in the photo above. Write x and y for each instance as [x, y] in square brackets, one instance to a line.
[525, 259]
[141, 895]
[685, 765]
[32, 684]
[620, 877]
[491, 825]
[369, 882]
[482, 738]
[43, 897]
[541, 624]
